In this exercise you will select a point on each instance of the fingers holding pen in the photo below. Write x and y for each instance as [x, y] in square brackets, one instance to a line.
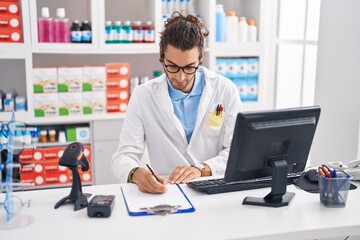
[149, 183]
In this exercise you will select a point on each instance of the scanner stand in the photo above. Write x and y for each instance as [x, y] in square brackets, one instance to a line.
[76, 195]
[278, 197]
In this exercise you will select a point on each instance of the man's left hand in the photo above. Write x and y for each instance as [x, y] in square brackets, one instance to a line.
[184, 174]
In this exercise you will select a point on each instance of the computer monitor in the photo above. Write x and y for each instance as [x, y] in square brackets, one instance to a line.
[271, 143]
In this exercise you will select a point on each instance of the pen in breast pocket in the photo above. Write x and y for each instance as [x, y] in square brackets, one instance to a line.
[152, 172]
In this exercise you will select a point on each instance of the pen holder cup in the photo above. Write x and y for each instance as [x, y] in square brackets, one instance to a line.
[334, 191]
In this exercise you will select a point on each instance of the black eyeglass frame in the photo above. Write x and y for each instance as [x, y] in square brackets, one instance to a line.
[178, 68]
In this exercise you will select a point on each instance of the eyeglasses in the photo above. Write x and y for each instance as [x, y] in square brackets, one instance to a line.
[172, 68]
[14, 205]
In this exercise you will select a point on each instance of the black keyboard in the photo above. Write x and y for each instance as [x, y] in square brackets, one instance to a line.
[213, 186]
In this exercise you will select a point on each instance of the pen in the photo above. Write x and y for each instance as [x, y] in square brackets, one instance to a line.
[217, 110]
[152, 172]
[327, 171]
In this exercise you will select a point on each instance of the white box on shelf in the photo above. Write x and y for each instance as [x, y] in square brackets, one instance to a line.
[94, 102]
[46, 104]
[45, 80]
[94, 78]
[70, 104]
[70, 79]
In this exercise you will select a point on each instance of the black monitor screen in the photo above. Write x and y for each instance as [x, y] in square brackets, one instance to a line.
[271, 143]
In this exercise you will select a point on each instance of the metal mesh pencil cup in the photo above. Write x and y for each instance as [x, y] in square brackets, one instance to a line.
[334, 191]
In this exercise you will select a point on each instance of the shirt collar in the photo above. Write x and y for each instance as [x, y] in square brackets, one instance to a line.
[196, 90]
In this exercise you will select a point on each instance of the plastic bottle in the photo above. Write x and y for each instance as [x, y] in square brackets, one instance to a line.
[149, 32]
[86, 36]
[252, 31]
[231, 27]
[190, 6]
[183, 6]
[109, 38]
[61, 27]
[75, 32]
[176, 5]
[9, 103]
[118, 32]
[138, 32]
[220, 23]
[45, 26]
[128, 32]
[164, 7]
[170, 7]
[242, 30]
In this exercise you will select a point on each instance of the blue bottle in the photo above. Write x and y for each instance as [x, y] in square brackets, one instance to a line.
[220, 23]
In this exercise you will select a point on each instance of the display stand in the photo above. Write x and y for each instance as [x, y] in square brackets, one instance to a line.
[11, 219]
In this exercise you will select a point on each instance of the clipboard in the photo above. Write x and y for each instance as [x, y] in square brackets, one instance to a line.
[143, 204]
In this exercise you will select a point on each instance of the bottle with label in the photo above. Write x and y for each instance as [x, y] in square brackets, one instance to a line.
[9, 103]
[220, 23]
[75, 32]
[242, 30]
[86, 36]
[190, 6]
[231, 27]
[109, 37]
[138, 32]
[128, 32]
[45, 26]
[149, 32]
[62, 29]
[118, 32]
[252, 31]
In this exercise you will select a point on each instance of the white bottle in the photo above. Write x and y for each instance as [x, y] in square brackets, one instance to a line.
[170, 7]
[252, 31]
[231, 27]
[176, 5]
[242, 30]
[190, 7]
[183, 6]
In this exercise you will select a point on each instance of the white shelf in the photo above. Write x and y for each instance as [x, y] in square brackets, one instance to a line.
[28, 117]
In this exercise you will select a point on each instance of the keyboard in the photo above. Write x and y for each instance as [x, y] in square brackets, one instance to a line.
[214, 186]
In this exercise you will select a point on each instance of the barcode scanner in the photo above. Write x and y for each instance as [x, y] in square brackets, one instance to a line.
[73, 157]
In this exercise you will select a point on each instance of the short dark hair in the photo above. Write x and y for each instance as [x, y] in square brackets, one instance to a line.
[183, 32]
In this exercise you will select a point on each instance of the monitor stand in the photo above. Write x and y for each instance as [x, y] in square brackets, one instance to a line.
[278, 197]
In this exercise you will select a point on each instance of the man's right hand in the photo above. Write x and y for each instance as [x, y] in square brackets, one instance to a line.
[147, 182]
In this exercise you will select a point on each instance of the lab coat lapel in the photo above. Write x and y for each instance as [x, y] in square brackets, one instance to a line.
[165, 104]
[205, 102]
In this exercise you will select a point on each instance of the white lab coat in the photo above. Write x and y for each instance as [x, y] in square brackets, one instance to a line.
[150, 120]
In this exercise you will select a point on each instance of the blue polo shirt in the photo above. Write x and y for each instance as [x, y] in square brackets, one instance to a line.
[186, 104]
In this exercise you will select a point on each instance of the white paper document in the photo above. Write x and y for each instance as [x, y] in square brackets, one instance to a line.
[136, 200]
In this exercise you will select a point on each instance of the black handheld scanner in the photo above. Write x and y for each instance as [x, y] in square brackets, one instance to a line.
[73, 156]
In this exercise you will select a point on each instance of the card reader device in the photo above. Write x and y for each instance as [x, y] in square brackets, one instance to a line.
[101, 206]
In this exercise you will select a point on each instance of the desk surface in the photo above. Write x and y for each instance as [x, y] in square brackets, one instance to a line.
[220, 216]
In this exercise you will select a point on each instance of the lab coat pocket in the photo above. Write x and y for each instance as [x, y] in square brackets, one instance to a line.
[215, 123]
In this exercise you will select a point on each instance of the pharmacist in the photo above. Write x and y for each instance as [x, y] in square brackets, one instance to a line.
[186, 117]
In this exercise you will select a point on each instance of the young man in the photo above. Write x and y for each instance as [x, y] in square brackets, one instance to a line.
[186, 116]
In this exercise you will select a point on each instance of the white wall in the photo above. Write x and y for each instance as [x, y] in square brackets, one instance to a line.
[338, 82]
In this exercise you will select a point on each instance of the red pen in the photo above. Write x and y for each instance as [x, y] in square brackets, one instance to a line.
[326, 171]
[321, 172]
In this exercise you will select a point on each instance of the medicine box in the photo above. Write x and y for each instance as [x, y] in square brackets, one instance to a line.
[70, 79]
[94, 78]
[45, 80]
[118, 70]
[70, 104]
[46, 104]
[94, 102]
[253, 67]
[116, 105]
[77, 134]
